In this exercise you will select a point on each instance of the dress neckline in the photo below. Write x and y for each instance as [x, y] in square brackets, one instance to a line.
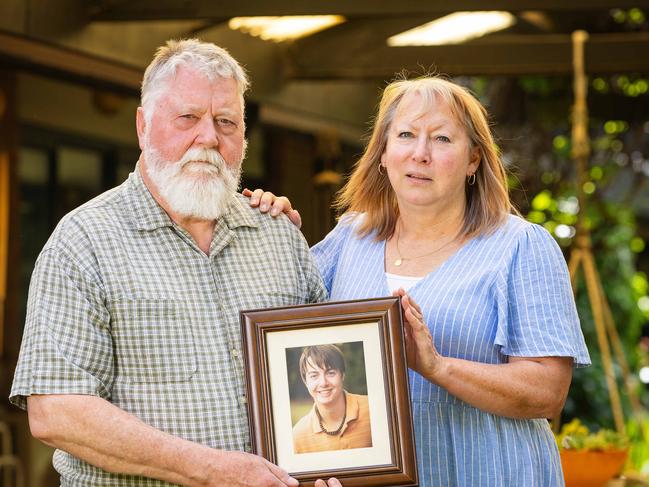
[428, 276]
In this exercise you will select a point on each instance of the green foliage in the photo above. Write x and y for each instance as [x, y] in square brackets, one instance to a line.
[615, 245]
[538, 141]
[299, 409]
[637, 430]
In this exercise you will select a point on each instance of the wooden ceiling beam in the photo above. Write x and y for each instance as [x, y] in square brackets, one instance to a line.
[208, 9]
[24, 52]
[501, 55]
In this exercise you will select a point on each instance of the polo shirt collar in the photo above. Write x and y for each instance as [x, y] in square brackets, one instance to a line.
[237, 215]
[351, 414]
[148, 215]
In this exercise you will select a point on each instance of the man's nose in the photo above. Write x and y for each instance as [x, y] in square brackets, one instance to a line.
[207, 135]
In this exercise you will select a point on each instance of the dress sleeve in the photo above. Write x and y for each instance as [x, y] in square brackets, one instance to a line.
[327, 252]
[315, 291]
[537, 315]
[67, 346]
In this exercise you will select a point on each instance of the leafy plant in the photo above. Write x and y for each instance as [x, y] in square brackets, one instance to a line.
[638, 431]
[610, 188]
[576, 436]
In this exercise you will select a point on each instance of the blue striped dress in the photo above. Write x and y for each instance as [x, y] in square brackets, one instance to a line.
[505, 294]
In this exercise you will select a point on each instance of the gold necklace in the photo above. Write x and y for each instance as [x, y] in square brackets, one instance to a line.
[400, 259]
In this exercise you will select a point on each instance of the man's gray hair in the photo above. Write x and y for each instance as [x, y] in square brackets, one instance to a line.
[211, 60]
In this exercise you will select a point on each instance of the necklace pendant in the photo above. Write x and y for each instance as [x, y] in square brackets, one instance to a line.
[398, 262]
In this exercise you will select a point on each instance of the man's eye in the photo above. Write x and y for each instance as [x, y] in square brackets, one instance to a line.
[188, 116]
[225, 122]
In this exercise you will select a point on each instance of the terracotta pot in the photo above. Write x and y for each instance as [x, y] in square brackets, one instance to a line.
[591, 468]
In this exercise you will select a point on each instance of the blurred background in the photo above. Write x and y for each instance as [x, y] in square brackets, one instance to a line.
[69, 78]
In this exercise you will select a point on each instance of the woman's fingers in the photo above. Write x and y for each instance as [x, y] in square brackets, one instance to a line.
[411, 310]
[267, 201]
[411, 303]
[255, 196]
[399, 292]
[278, 205]
[295, 218]
[264, 199]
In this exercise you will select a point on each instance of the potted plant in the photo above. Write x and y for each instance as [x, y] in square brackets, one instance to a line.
[590, 459]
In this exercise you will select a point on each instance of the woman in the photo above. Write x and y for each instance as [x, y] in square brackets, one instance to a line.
[493, 345]
[338, 419]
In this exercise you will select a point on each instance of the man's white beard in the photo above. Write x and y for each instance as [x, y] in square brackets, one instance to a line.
[190, 188]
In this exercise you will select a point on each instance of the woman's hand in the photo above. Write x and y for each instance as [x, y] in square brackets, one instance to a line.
[524, 387]
[267, 201]
[421, 353]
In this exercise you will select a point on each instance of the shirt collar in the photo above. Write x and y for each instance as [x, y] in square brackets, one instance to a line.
[239, 212]
[148, 215]
[351, 414]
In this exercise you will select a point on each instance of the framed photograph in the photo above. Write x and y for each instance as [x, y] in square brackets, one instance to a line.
[328, 391]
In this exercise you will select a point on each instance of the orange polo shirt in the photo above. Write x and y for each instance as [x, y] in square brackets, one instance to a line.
[356, 433]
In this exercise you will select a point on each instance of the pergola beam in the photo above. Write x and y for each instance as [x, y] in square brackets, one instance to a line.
[496, 55]
[208, 9]
[22, 51]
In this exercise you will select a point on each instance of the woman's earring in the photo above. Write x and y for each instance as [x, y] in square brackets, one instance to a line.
[470, 180]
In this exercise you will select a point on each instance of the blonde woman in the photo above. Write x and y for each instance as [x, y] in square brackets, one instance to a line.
[495, 334]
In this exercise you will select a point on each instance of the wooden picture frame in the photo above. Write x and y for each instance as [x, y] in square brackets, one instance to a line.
[371, 331]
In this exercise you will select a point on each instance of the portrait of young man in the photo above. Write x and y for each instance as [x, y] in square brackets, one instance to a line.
[337, 419]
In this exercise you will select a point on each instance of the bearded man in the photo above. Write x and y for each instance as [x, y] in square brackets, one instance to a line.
[131, 358]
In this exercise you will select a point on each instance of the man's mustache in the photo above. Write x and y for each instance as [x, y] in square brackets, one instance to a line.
[208, 156]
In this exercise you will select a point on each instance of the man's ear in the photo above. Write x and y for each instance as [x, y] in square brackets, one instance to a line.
[140, 125]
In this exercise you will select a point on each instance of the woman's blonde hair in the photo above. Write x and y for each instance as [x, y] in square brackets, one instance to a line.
[368, 190]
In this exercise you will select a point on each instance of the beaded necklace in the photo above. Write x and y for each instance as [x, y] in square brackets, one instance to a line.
[342, 423]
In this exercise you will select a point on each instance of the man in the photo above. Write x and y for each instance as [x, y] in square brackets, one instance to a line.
[338, 419]
[131, 358]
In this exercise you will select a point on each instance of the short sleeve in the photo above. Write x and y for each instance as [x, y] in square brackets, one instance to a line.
[67, 346]
[327, 252]
[537, 315]
[315, 290]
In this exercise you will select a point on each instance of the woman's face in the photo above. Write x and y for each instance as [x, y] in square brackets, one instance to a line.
[325, 386]
[428, 156]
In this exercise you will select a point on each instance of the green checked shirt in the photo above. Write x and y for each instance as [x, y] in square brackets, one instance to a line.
[123, 305]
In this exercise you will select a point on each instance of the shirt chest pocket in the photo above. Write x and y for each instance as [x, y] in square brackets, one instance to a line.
[153, 341]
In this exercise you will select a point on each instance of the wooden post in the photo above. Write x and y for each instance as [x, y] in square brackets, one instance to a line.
[5, 199]
[4, 239]
[596, 304]
[582, 253]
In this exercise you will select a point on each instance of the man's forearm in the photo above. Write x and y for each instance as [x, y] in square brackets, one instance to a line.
[103, 435]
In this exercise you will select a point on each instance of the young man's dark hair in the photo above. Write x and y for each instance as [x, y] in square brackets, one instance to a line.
[324, 356]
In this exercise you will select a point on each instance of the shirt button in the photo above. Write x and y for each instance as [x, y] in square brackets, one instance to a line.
[234, 352]
[242, 400]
